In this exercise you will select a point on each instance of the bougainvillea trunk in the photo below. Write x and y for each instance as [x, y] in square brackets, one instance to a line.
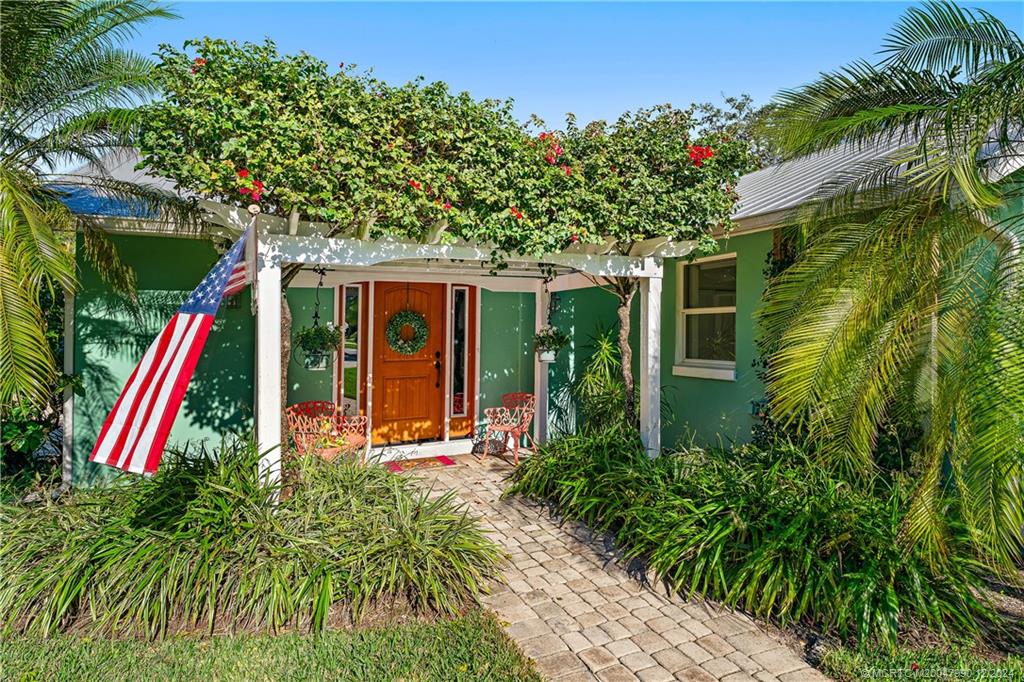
[286, 353]
[625, 289]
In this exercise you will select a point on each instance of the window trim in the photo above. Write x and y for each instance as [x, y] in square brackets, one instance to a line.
[465, 354]
[723, 370]
[344, 341]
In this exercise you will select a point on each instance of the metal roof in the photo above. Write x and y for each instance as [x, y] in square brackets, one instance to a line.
[787, 185]
[119, 165]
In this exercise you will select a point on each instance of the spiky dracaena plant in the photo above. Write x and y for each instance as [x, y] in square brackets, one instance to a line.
[907, 297]
[67, 97]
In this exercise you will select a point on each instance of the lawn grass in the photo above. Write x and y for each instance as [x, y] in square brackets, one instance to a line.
[472, 647]
[956, 663]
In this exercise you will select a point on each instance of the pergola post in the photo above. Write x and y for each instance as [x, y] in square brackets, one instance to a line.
[540, 373]
[268, 363]
[650, 364]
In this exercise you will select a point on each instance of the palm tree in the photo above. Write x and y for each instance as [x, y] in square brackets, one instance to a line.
[68, 96]
[904, 304]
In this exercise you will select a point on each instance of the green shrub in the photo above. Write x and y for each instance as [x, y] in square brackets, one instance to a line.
[200, 545]
[768, 531]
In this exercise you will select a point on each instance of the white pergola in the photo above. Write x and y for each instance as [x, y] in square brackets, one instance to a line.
[279, 243]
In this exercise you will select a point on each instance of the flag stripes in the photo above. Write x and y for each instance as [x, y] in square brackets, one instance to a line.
[134, 433]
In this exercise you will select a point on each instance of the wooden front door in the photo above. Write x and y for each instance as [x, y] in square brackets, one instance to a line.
[408, 390]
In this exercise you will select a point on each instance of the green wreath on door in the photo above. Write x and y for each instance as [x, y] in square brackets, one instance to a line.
[420, 332]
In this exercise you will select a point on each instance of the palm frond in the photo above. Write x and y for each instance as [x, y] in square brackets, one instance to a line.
[940, 36]
[68, 94]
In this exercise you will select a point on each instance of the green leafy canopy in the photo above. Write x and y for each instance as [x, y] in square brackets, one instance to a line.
[368, 159]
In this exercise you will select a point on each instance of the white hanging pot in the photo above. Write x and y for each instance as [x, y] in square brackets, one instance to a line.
[546, 355]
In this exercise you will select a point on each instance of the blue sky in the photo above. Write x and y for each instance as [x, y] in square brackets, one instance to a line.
[595, 60]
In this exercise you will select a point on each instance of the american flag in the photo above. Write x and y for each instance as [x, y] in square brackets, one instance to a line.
[135, 431]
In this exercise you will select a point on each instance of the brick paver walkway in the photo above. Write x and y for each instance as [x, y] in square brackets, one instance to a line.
[580, 616]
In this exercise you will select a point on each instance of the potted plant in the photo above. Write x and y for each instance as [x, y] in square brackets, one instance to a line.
[548, 341]
[317, 343]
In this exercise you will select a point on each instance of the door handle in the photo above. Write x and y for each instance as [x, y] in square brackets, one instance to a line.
[437, 380]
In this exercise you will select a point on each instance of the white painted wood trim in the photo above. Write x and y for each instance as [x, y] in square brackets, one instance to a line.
[67, 444]
[355, 253]
[470, 371]
[339, 358]
[650, 364]
[540, 369]
[268, 365]
[682, 312]
[574, 281]
[337, 277]
[449, 318]
[394, 453]
[697, 372]
[476, 364]
[372, 295]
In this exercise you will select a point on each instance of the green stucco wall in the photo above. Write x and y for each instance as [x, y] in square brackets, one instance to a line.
[305, 384]
[109, 341]
[584, 314]
[704, 411]
[712, 411]
[506, 345]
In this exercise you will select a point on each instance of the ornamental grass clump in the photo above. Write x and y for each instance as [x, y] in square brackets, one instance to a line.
[767, 531]
[201, 547]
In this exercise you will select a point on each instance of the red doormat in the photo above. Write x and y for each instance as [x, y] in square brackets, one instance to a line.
[419, 463]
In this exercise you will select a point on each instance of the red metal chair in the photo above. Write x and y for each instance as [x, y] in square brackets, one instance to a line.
[319, 427]
[512, 419]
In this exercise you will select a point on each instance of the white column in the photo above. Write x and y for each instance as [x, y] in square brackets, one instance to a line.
[268, 363]
[67, 446]
[540, 369]
[650, 364]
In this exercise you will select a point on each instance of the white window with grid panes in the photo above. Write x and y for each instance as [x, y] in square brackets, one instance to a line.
[706, 318]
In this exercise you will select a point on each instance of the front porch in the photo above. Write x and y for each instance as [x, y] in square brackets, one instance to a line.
[480, 344]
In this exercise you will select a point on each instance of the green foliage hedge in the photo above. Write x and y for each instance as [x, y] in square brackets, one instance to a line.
[200, 546]
[768, 531]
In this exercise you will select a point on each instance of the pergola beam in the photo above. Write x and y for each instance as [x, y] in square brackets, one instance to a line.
[346, 252]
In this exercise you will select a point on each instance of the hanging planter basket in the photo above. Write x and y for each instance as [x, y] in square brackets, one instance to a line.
[401, 342]
[317, 343]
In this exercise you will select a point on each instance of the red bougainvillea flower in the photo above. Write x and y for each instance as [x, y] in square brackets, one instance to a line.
[244, 190]
[567, 169]
[414, 184]
[914, 666]
[575, 238]
[243, 173]
[699, 153]
[543, 136]
[516, 213]
[557, 149]
[550, 158]
[450, 178]
[447, 206]
[199, 61]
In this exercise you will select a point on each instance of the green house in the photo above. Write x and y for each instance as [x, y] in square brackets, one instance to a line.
[694, 329]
